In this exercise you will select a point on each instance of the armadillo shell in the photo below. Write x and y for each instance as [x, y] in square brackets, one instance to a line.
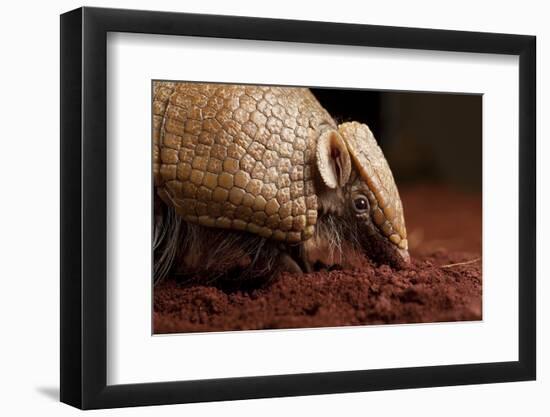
[238, 157]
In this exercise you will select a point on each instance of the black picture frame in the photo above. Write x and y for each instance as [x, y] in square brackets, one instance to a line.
[84, 207]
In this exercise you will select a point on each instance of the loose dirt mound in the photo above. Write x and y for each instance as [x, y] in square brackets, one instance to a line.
[443, 282]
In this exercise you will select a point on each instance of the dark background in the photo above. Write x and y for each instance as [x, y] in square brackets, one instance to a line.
[426, 137]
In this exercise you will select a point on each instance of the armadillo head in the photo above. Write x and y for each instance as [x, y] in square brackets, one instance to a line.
[351, 162]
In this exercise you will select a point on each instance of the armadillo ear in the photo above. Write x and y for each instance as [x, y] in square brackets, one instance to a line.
[333, 160]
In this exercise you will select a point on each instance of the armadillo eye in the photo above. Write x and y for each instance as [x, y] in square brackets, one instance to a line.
[360, 204]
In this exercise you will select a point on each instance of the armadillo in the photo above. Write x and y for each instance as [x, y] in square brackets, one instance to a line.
[270, 165]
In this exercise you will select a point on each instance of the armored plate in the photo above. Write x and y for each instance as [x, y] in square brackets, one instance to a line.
[238, 157]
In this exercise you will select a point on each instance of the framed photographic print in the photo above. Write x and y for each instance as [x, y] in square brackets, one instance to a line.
[257, 208]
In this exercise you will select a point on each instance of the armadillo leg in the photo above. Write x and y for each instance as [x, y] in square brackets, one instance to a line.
[307, 266]
[288, 264]
[298, 255]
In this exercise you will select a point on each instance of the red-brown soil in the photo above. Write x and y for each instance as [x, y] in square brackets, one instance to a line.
[443, 282]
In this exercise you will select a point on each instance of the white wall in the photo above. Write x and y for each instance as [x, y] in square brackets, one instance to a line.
[29, 164]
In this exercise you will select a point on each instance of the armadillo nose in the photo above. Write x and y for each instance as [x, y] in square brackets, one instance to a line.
[404, 255]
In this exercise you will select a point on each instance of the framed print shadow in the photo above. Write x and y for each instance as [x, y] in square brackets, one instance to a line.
[257, 208]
